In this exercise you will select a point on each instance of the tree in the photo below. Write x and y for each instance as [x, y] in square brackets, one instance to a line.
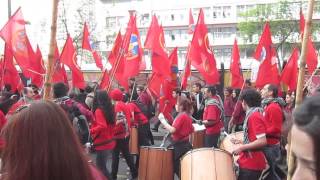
[284, 23]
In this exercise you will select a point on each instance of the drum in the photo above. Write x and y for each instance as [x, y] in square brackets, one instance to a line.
[197, 137]
[133, 142]
[227, 145]
[155, 163]
[207, 163]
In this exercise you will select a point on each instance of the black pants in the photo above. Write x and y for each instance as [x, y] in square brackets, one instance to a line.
[123, 146]
[149, 133]
[211, 140]
[272, 154]
[101, 160]
[246, 174]
[180, 148]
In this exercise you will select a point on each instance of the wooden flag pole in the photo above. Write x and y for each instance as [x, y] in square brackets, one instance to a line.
[291, 159]
[48, 80]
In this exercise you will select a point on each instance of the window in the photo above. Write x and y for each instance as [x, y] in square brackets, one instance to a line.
[172, 17]
[173, 37]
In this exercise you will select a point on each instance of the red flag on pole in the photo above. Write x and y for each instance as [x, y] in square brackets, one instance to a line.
[311, 57]
[155, 83]
[173, 58]
[60, 74]
[105, 80]
[202, 57]
[235, 67]
[37, 68]
[69, 58]
[191, 23]
[265, 54]
[289, 74]
[156, 43]
[14, 34]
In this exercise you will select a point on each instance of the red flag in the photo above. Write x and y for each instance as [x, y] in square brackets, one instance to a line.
[311, 57]
[156, 43]
[133, 57]
[37, 68]
[202, 57]
[97, 58]
[105, 80]
[173, 58]
[191, 23]
[59, 74]
[69, 58]
[9, 72]
[155, 83]
[187, 71]
[85, 39]
[289, 74]
[14, 34]
[235, 67]
[265, 53]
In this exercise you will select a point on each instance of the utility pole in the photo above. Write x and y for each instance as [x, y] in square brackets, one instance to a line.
[9, 9]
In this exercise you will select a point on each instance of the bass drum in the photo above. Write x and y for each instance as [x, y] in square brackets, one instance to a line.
[133, 142]
[227, 145]
[155, 163]
[207, 163]
[197, 139]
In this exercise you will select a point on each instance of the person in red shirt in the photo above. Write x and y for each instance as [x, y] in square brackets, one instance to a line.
[237, 117]
[212, 117]
[252, 160]
[228, 105]
[180, 131]
[273, 117]
[102, 129]
[121, 134]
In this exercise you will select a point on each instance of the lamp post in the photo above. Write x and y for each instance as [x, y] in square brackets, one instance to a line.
[9, 8]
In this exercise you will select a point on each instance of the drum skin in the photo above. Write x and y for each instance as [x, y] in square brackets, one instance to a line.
[155, 163]
[133, 142]
[227, 145]
[207, 163]
[197, 139]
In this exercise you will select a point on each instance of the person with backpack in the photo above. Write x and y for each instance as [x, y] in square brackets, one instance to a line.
[102, 130]
[121, 134]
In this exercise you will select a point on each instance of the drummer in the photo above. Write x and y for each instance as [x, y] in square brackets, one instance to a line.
[252, 160]
[180, 130]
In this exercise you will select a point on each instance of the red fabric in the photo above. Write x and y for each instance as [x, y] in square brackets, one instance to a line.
[85, 38]
[116, 95]
[228, 105]
[289, 74]
[69, 58]
[97, 58]
[120, 130]
[273, 117]
[235, 68]
[138, 117]
[173, 59]
[59, 74]
[105, 80]
[37, 69]
[186, 72]
[238, 113]
[253, 160]
[202, 57]
[9, 71]
[212, 113]
[102, 131]
[265, 53]
[3, 122]
[311, 57]
[183, 126]
[155, 84]
[14, 34]
[191, 22]
[156, 43]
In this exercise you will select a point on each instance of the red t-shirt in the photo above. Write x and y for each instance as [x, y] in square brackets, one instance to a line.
[139, 118]
[239, 113]
[183, 125]
[101, 131]
[212, 113]
[273, 117]
[254, 160]
[122, 129]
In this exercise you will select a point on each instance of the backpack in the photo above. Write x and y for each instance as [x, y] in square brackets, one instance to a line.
[79, 121]
[148, 111]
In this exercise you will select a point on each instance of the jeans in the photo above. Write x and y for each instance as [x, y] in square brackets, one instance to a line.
[102, 157]
[272, 154]
[246, 174]
[211, 140]
[123, 146]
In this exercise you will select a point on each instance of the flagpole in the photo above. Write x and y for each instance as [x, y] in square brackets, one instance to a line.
[299, 95]
[238, 100]
[48, 79]
[134, 86]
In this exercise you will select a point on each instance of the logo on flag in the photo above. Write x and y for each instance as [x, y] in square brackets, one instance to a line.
[19, 41]
[263, 54]
[133, 49]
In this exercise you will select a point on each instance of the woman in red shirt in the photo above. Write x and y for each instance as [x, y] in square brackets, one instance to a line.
[180, 131]
[102, 130]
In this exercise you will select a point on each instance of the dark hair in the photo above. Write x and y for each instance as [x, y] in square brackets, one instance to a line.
[178, 91]
[247, 82]
[6, 104]
[41, 145]
[212, 90]
[198, 85]
[60, 89]
[237, 91]
[307, 118]
[140, 87]
[185, 103]
[102, 100]
[251, 97]
[228, 89]
[274, 89]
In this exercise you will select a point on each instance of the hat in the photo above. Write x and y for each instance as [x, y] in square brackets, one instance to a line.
[116, 95]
